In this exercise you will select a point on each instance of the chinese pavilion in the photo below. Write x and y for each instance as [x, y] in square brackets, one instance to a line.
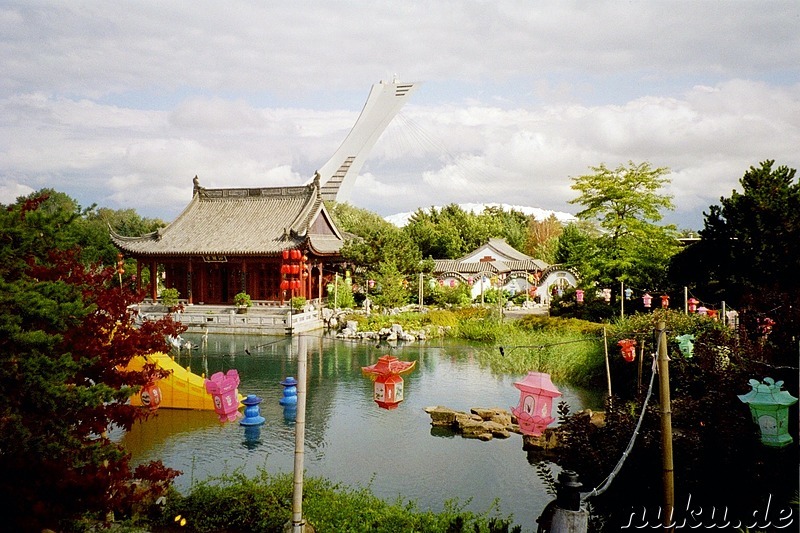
[272, 243]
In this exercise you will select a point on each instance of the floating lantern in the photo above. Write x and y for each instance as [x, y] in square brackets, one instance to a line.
[628, 347]
[647, 300]
[223, 388]
[769, 406]
[692, 302]
[289, 391]
[535, 403]
[388, 388]
[579, 295]
[252, 411]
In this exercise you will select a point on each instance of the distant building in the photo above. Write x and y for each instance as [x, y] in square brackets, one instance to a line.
[497, 264]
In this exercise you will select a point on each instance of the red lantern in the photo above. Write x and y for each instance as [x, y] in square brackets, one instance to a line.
[151, 396]
[296, 284]
[628, 347]
[296, 255]
[285, 285]
[388, 387]
[664, 301]
[285, 255]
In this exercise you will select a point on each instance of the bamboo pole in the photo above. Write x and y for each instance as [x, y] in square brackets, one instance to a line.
[608, 366]
[666, 429]
[298, 523]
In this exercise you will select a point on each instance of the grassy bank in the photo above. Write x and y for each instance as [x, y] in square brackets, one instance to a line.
[236, 503]
[568, 349]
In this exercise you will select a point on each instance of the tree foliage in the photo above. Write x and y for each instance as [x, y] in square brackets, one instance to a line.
[450, 232]
[626, 203]
[749, 251]
[66, 331]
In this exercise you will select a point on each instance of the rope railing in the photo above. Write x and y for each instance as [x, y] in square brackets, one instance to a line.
[610, 478]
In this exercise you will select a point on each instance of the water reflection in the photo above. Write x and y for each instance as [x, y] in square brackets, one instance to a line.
[348, 438]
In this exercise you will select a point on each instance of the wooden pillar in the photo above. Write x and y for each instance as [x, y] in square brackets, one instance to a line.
[138, 275]
[189, 282]
[154, 280]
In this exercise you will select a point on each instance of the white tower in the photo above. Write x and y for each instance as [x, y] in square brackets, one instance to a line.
[338, 175]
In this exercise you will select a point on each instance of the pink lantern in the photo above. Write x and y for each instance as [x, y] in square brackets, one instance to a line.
[535, 403]
[647, 299]
[579, 295]
[452, 283]
[702, 311]
[607, 295]
[224, 389]
[692, 302]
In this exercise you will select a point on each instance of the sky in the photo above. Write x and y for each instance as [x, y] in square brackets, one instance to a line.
[121, 104]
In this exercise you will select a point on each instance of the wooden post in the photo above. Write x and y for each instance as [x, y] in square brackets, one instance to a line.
[639, 375]
[666, 429]
[608, 366]
[622, 299]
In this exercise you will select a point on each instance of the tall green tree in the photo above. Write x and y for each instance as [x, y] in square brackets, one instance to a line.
[67, 331]
[749, 251]
[626, 204]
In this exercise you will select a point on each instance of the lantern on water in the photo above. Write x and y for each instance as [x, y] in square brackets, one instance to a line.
[628, 347]
[647, 300]
[692, 302]
[252, 411]
[388, 385]
[579, 295]
[769, 406]
[535, 403]
[664, 301]
[223, 388]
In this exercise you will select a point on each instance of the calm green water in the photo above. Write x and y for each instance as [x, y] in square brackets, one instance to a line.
[349, 439]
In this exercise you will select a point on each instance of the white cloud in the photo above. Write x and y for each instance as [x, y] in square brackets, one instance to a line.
[124, 111]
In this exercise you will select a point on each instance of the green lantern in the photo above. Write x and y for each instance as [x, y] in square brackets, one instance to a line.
[769, 406]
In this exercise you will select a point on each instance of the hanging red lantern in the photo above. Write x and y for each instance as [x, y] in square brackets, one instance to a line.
[285, 285]
[284, 269]
[664, 301]
[296, 255]
[628, 347]
[285, 255]
[296, 284]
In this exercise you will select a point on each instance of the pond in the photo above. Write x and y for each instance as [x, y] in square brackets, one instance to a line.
[349, 439]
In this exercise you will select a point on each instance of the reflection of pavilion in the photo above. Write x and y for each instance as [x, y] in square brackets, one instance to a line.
[497, 264]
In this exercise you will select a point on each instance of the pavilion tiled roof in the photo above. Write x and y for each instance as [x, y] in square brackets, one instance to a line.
[240, 221]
